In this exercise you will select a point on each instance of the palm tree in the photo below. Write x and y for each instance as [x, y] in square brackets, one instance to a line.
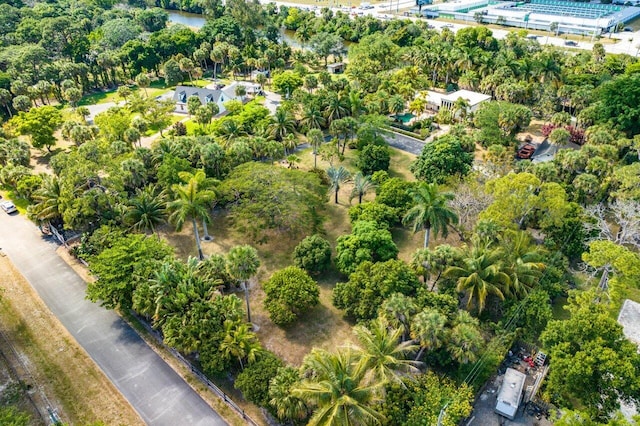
[465, 341]
[147, 210]
[312, 117]
[383, 353]
[335, 108]
[192, 202]
[242, 264]
[315, 138]
[430, 211]
[337, 387]
[397, 310]
[396, 105]
[361, 185]
[522, 262]
[481, 274]
[428, 329]
[288, 407]
[240, 342]
[282, 124]
[337, 176]
[46, 206]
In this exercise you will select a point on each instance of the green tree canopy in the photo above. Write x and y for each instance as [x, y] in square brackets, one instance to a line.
[442, 159]
[290, 292]
[367, 241]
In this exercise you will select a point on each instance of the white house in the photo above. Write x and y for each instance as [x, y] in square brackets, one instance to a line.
[218, 96]
[437, 100]
[510, 393]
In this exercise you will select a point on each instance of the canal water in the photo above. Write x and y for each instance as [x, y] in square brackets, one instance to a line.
[195, 20]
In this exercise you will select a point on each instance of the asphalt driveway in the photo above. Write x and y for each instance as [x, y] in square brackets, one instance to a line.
[155, 391]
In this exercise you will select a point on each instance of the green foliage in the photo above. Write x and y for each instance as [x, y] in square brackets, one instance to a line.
[498, 122]
[535, 315]
[286, 82]
[40, 124]
[379, 213]
[367, 241]
[264, 199]
[591, 360]
[14, 151]
[282, 403]
[517, 197]
[394, 192]
[618, 102]
[442, 159]
[290, 292]
[10, 416]
[420, 401]
[254, 380]
[370, 284]
[373, 158]
[313, 254]
[129, 261]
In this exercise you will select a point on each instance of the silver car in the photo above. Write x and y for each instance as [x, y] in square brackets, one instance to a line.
[8, 207]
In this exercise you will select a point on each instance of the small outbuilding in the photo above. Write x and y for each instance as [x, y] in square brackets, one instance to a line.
[510, 394]
[337, 68]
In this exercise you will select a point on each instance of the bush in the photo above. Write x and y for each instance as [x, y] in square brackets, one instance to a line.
[254, 380]
[368, 241]
[394, 192]
[370, 284]
[382, 214]
[290, 292]
[313, 254]
[373, 158]
[442, 159]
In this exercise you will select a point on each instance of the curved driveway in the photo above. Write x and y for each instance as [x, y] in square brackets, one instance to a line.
[155, 391]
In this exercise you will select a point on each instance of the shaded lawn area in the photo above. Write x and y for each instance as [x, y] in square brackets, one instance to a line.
[323, 326]
[156, 88]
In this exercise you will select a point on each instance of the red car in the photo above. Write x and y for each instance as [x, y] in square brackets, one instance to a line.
[526, 151]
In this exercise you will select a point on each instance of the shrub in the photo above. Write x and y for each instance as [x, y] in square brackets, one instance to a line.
[290, 292]
[254, 380]
[368, 241]
[313, 254]
[373, 158]
[380, 213]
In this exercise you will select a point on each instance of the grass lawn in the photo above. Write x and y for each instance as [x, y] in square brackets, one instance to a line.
[59, 366]
[156, 88]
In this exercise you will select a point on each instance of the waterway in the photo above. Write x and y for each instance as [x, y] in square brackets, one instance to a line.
[195, 20]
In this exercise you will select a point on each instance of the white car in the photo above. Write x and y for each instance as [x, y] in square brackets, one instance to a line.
[8, 207]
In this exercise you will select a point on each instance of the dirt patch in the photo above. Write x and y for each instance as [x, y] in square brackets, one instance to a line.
[58, 366]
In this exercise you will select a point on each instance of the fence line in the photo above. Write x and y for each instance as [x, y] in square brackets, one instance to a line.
[199, 374]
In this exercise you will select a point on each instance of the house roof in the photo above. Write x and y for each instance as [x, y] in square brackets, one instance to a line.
[474, 98]
[510, 391]
[182, 93]
[336, 65]
[629, 319]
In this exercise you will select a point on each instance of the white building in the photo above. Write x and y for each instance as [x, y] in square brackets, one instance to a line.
[510, 393]
[437, 100]
[206, 96]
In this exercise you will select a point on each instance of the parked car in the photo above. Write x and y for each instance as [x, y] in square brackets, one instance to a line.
[570, 43]
[526, 151]
[8, 207]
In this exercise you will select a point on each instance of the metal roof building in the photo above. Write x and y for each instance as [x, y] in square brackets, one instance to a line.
[510, 393]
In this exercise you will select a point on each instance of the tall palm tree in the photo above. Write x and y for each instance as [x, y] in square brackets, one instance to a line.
[428, 329]
[240, 342]
[430, 211]
[283, 123]
[337, 387]
[335, 108]
[465, 341]
[46, 206]
[192, 202]
[337, 176]
[481, 275]
[361, 185]
[242, 264]
[315, 138]
[383, 353]
[147, 210]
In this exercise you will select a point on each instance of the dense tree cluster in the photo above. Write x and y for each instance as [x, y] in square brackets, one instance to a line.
[463, 297]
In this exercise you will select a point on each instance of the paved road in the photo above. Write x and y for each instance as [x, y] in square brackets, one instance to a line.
[405, 143]
[155, 391]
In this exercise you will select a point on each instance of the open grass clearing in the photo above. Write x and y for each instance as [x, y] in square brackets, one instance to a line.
[65, 372]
